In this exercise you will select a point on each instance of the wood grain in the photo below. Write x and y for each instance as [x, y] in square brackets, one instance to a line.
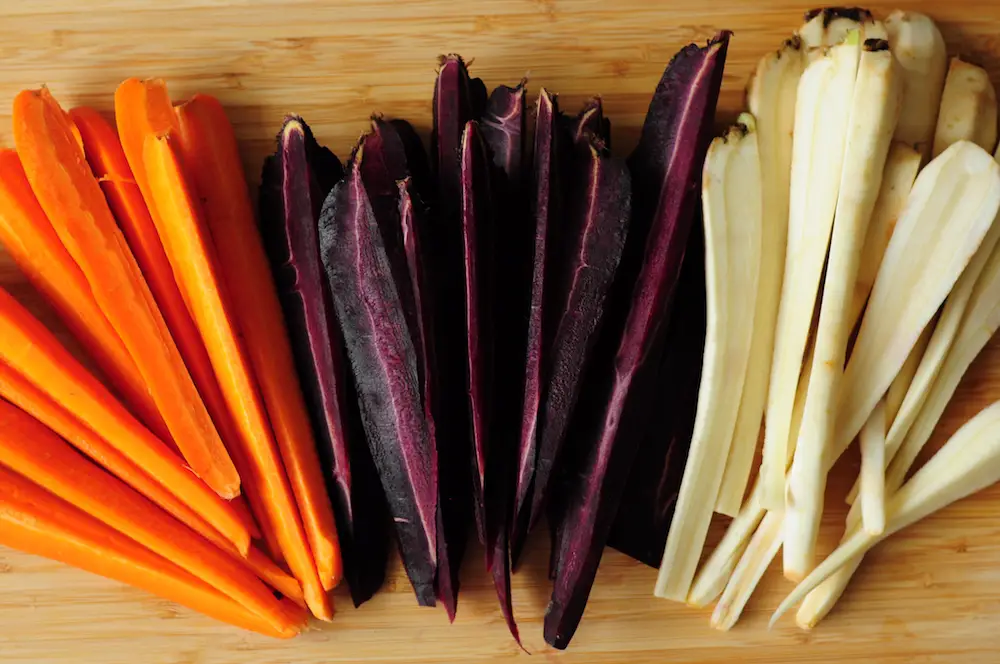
[930, 594]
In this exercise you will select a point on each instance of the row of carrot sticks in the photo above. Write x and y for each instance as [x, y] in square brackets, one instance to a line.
[199, 479]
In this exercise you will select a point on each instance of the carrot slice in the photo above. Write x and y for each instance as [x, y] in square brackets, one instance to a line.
[36, 522]
[31, 449]
[31, 351]
[210, 154]
[35, 403]
[110, 166]
[68, 192]
[185, 238]
[33, 244]
[143, 108]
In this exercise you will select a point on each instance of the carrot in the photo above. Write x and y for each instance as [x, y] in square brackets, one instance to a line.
[33, 244]
[31, 449]
[31, 351]
[68, 192]
[36, 522]
[209, 152]
[35, 403]
[109, 164]
[143, 108]
[185, 239]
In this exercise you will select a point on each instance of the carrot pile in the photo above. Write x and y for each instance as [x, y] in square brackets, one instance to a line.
[197, 478]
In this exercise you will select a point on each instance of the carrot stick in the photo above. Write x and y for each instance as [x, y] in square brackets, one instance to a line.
[31, 351]
[31, 449]
[35, 403]
[70, 195]
[33, 244]
[209, 152]
[36, 522]
[185, 239]
[143, 108]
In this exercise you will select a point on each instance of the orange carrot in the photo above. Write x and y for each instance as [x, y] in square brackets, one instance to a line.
[36, 522]
[185, 238]
[209, 152]
[34, 451]
[33, 244]
[31, 351]
[143, 108]
[71, 197]
[34, 402]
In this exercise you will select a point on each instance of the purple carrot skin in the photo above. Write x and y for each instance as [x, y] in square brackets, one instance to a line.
[647, 506]
[546, 213]
[457, 100]
[295, 181]
[620, 389]
[384, 365]
[477, 243]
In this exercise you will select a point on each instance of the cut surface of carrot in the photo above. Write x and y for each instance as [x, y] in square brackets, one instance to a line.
[36, 522]
[189, 248]
[32, 352]
[71, 197]
[211, 156]
[143, 108]
[32, 243]
[35, 452]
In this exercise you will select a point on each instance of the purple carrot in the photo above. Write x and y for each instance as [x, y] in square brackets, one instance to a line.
[384, 362]
[503, 130]
[647, 507]
[598, 215]
[592, 120]
[477, 244]
[619, 391]
[457, 100]
[295, 181]
[547, 213]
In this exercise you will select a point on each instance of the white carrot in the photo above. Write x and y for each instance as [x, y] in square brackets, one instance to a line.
[822, 113]
[771, 97]
[874, 111]
[732, 201]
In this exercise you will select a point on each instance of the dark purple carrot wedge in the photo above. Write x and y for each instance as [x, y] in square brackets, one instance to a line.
[295, 181]
[384, 362]
[620, 389]
[458, 99]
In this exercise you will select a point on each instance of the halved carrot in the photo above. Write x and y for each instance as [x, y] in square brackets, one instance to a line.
[185, 238]
[16, 389]
[34, 451]
[211, 157]
[33, 244]
[36, 522]
[32, 352]
[62, 181]
[143, 108]
[110, 166]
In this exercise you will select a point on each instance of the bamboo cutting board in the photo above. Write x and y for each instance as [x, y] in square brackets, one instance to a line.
[929, 594]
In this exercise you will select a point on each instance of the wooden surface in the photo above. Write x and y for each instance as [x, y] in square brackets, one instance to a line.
[931, 593]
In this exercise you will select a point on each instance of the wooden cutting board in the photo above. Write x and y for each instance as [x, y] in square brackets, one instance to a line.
[931, 593]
